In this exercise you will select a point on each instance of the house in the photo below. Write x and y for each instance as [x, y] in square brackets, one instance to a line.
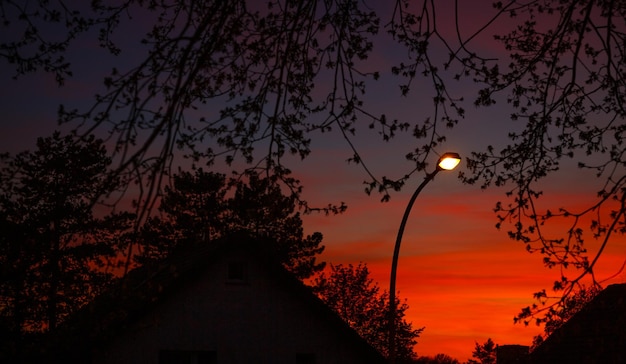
[595, 334]
[227, 304]
[512, 354]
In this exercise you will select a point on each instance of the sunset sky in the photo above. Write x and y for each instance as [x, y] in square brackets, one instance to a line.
[464, 279]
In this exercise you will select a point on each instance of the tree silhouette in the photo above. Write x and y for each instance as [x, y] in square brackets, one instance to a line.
[484, 354]
[251, 84]
[564, 84]
[192, 210]
[437, 359]
[555, 317]
[203, 206]
[54, 249]
[357, 299]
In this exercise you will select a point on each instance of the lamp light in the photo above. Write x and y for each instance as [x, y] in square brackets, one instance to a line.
[448, 161]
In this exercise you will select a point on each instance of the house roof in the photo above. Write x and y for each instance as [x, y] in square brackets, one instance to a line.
[130, 298]
[595, 334]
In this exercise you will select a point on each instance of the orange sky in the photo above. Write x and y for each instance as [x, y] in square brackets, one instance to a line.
[464, 279]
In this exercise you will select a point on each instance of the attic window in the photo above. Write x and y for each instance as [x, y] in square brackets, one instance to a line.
[237, 272]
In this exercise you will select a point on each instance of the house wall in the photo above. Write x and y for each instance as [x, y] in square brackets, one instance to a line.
[258, 321]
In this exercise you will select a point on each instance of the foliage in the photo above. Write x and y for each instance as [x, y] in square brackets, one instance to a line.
[203, 206]
[437, 359]
[484, 354]
[565, 85]
[357, 299]
[251, 83]
[556, 316]
[54, 249]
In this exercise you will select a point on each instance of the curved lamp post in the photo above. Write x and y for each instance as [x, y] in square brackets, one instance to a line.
[447, 162]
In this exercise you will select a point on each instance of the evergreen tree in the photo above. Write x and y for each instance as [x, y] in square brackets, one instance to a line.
[440, 358]
[54, 248]
[202, 206]
[484, 354]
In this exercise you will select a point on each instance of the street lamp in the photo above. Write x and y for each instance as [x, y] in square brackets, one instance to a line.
[447, 162]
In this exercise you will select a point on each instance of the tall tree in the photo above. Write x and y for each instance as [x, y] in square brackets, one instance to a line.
[351, 292]
[202, 206]
[253, 82]
[54, 248]
[193, 209]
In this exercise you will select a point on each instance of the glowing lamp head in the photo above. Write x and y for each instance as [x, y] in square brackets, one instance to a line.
[449, 161]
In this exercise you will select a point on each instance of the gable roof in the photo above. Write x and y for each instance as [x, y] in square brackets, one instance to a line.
[595, 334]
[143, 288]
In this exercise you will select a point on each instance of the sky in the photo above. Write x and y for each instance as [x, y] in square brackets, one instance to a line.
[463, 279]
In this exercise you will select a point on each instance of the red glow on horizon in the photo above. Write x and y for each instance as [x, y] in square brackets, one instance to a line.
[463, 279]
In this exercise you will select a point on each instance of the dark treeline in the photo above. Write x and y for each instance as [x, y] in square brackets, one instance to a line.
[61, 247]
[560, 71]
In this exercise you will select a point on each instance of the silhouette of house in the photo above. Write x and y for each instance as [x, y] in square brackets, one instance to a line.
[595, 334]
[233, 303]
[512, 354]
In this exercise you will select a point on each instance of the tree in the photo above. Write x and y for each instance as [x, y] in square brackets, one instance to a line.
[54, 247]
[437, 359]
[357, 299]
[203, 206]
[565, 84]
[485, 353]
[253, 83]
[192, 210]
[555, 317]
